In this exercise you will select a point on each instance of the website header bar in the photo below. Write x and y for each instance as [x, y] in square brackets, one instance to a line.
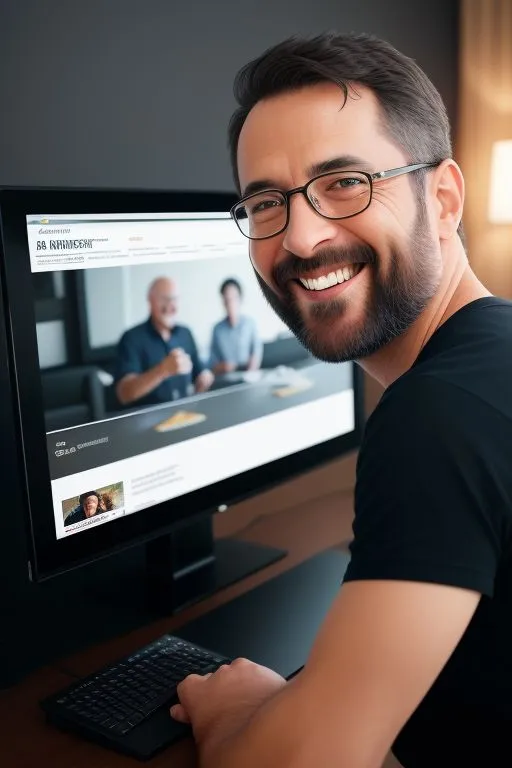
[63, 242]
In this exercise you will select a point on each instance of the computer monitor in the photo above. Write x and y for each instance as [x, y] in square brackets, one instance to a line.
[98, 286]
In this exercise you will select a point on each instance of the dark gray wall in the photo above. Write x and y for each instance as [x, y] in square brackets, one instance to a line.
[139, 92]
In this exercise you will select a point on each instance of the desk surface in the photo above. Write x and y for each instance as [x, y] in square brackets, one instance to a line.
[29, 742]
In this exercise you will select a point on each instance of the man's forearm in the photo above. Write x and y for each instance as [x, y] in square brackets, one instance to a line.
[289, 731]
[203, 380]
[139, 385]
[254, 363]
[247, 743]
[221, 367]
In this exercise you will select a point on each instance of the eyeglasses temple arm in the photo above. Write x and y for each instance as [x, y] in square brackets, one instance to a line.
[399, 171]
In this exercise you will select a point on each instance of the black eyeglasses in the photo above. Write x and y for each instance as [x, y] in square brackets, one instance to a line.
[334, 195]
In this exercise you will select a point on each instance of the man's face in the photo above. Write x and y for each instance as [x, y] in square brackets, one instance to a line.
[394, 264]
[231, 299]
[90, 505]
[163, 302]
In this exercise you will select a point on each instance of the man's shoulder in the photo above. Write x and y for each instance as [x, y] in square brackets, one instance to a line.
[183, 331]
[422, 397]
[463, 375]
[463, 363]
[140, 331]
[472, 348]
[424, 415]
[220, 325]
[75, 516]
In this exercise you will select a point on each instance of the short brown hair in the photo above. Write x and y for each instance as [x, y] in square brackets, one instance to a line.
[413, 113]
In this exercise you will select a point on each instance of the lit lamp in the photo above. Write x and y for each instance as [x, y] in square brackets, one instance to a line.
[500, 199]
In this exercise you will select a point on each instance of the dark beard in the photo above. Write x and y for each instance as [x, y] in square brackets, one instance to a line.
[396, 298]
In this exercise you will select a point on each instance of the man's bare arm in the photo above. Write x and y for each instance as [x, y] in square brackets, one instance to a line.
[204, 381]
[376, 656]
[133, 386]
[223, 367]
[254, 363]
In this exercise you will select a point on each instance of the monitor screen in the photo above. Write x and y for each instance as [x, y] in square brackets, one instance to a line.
[153, 379]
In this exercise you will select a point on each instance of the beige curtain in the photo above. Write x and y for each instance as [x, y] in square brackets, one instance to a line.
[485, 116]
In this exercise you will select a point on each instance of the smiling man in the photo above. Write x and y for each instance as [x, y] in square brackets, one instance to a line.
[352, 205]
[88, 506]
[157, 360]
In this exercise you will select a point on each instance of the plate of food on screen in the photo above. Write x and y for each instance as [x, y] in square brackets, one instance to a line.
[179, 420]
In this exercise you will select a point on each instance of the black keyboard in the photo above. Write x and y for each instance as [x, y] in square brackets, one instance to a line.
[125, 706]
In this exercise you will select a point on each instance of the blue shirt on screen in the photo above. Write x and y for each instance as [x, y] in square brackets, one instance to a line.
[235, 344]
[142, 347]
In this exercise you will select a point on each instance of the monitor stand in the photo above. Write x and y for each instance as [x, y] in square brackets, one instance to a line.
[188, 564]
[123, 592]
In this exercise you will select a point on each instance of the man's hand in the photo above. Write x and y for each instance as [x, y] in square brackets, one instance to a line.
[177, 362]
[204, 381]
[218, 705]
[225, 367]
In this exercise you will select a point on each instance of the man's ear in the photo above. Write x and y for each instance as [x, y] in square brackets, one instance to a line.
[448, 190]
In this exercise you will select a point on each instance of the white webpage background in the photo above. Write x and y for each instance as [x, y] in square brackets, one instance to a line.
[207, 459]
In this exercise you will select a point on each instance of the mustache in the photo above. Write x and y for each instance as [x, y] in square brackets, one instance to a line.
[294, 267]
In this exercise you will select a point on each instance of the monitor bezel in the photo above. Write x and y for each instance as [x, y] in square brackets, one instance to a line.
[21, 389]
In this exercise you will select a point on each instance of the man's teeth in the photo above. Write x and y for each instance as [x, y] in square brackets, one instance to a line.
[326, 281]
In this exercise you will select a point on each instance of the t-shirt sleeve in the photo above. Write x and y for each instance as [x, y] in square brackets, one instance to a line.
[427, 503]
[128, 359]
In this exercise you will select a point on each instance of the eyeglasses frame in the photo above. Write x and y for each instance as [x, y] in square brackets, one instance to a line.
[372, 178]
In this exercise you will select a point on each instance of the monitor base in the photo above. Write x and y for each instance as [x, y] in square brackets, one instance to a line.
[188, 564]
[229, 561]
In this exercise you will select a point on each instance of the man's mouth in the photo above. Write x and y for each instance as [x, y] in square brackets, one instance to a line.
[326, 280]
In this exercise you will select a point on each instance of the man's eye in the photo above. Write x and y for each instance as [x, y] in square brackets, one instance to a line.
[264, 205]
[351, 181]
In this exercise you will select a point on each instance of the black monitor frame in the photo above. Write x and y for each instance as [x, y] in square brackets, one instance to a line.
[20, 391]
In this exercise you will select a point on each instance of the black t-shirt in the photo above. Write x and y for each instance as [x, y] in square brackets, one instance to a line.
[76, 516]
[434, 504]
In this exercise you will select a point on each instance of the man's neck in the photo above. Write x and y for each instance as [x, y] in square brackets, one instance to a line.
[458, 288]
[164, 330]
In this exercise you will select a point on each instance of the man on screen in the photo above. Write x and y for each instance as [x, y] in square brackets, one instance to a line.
[88, 506]
[235, 341]
[158, 361]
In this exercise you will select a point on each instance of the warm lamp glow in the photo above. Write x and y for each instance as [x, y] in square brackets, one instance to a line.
[500, 199]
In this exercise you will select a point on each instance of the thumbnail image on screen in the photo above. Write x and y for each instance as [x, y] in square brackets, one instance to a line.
[92, 507]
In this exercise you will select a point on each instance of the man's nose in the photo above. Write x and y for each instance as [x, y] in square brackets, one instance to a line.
[307, 229]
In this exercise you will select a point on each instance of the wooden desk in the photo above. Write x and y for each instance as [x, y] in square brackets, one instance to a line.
[28, 742]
